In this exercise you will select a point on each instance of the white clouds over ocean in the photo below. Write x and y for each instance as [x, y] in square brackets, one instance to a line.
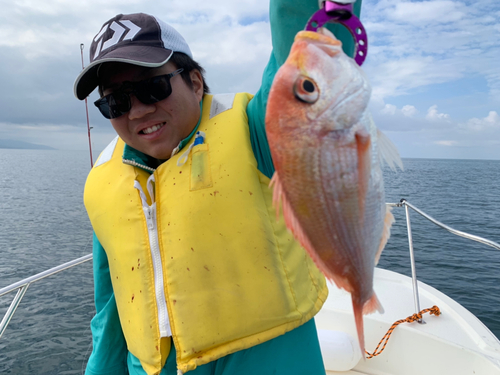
[433, 66]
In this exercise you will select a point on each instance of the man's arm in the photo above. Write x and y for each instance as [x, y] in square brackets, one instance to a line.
[287, 18]
[109, 352]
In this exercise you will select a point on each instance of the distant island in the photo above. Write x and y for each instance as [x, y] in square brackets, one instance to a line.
[9, 143]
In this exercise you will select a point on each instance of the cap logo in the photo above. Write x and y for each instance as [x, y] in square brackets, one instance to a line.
[119, 30]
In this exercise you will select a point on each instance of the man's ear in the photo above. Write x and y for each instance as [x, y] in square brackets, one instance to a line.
[197, 80]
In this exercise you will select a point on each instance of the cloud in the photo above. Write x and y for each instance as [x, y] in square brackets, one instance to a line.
[389, 109]
[434, 115]
[488, 123]
[415, 44]
[41, 57]
[425, 12]
[420, 53]
[446, 143]
[409, 110]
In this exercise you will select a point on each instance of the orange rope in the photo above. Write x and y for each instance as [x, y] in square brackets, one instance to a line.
[434, 310]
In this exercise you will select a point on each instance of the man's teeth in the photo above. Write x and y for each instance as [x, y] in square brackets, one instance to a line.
[153, 128]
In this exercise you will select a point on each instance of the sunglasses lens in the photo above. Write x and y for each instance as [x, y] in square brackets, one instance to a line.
[114, 105]
[153, 90]
[103, 106]
[149, 91]
[119, 104]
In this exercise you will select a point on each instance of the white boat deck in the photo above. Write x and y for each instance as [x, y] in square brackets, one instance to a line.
[455, 342]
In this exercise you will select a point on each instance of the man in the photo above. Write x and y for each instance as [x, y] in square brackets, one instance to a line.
[192, 270]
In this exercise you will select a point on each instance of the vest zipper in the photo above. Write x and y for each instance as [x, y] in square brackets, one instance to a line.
[150, 214]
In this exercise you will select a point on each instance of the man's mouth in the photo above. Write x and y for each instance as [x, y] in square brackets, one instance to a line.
[152, 129]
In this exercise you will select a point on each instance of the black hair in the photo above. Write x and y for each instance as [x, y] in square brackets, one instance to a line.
[181, 60]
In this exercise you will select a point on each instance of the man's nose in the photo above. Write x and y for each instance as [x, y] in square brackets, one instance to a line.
[139, 109]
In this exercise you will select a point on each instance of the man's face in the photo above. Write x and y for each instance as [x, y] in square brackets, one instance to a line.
[155, 129]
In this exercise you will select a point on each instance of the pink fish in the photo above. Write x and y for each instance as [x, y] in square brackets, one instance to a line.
[327, 153]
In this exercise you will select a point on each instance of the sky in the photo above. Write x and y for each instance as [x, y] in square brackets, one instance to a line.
[434, 67]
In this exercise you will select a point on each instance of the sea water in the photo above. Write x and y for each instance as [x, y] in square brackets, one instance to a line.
[43, 224]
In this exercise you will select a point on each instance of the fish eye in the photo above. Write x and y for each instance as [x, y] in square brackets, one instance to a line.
[306, 90]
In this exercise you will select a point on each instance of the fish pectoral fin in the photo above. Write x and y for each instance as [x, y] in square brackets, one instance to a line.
[386, 232]
[388, 152]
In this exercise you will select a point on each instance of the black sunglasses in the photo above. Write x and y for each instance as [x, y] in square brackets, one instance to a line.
[148, 91]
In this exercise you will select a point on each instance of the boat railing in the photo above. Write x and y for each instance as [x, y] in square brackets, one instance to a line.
[404, 203]
[22, 286]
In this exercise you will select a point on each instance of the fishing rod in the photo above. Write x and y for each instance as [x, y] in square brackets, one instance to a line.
[87, 111]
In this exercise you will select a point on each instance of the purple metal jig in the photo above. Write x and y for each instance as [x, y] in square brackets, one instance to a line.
[343, 14]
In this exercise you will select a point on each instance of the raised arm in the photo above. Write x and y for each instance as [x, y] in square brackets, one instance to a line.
[287, 18]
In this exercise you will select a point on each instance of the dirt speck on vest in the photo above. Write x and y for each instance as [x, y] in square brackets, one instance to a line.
[216, 192]
[133, 298]
[250, 193]
[132, 268]
[188, 269]
[206, 268]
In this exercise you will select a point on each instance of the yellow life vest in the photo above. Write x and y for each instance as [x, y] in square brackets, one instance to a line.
[226, 274]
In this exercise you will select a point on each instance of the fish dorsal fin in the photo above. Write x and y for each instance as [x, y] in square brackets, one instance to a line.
[388, 152]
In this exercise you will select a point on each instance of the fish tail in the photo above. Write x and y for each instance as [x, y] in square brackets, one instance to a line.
[358, 318]
[360, 309]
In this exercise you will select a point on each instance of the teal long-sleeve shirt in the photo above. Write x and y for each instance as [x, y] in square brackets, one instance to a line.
[109, 353]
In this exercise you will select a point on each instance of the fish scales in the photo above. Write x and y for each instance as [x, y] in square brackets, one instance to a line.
[326, 154]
